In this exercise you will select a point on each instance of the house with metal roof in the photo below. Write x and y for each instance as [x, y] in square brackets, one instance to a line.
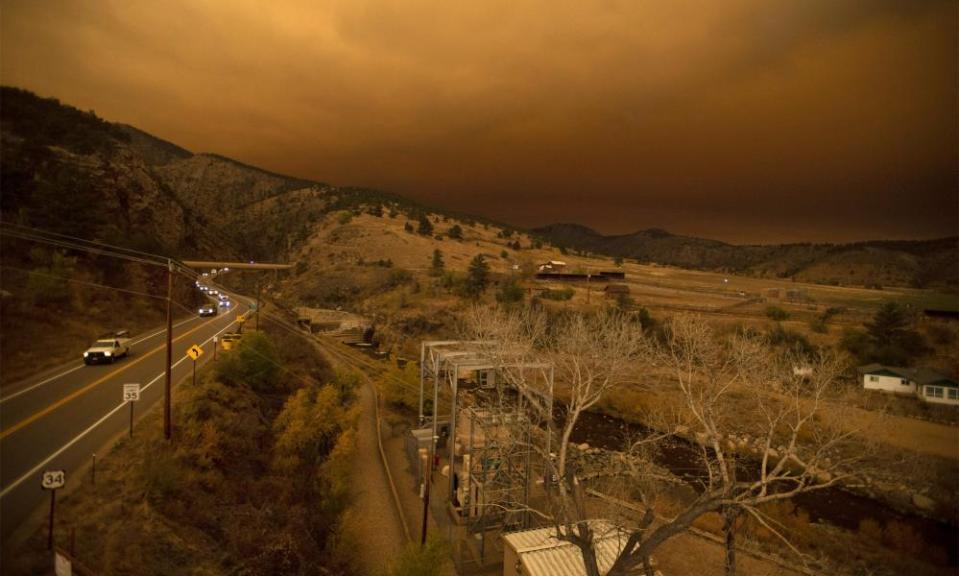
[929, 385]
[552, 266]
[540, 552]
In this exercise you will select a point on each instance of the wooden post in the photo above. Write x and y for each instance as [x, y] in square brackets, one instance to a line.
[131, 419]
[588, 290]
[53, 504]
[167, 415]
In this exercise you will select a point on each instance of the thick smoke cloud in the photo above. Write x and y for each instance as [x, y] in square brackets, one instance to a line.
[745, 120]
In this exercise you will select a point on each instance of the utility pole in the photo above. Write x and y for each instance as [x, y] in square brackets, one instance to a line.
[257, 311]
[167, 419]
[53, 505]
[426, 497]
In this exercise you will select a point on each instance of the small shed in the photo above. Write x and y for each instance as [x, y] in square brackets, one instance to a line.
[539, 552]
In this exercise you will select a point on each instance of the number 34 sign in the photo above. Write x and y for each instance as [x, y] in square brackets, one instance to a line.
[53, 479]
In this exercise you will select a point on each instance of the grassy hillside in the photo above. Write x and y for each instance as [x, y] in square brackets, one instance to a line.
[70, 172]
[382, 267]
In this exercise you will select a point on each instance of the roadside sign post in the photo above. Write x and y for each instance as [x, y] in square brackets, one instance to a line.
[194, 352]
[168, 382]
[52, 480]
[214, 348]
[131, 394]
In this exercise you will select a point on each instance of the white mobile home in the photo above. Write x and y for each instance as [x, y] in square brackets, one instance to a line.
[928, 385]
[940, 391]
[887, 379]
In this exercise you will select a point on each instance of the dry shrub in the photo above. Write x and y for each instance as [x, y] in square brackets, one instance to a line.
[632, 404]
[903, 537]
[785, 518]
[870, 529]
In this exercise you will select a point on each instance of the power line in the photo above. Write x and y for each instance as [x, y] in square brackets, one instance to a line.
[83, 282]
[74, 246]
[68, 237]
[97, 248]
[95, 284]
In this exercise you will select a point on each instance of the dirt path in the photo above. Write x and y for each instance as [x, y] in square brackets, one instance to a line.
[374, 519]
[908, 433]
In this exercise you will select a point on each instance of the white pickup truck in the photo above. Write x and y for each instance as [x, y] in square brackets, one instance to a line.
[108, 348]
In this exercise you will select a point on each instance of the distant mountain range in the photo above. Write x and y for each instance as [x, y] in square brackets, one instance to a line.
[919, 263]
[69, 171]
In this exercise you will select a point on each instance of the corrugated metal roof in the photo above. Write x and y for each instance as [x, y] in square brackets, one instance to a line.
[542, 554]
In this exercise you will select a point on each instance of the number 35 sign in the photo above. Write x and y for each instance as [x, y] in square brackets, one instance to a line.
[53, 479]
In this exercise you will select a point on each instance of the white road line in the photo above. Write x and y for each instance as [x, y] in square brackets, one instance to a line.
[77, 367]
[93, 426]
[38, 384]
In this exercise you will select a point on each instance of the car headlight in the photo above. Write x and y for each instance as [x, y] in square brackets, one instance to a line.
[85, 354]
[107, 353]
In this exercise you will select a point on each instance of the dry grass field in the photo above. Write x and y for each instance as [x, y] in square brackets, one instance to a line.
[367, 239]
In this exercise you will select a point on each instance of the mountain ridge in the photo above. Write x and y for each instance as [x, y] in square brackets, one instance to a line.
[112, 181]
[917, 263]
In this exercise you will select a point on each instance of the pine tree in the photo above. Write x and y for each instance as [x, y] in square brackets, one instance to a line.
[477, 277]
[425, 226]
[436, 267]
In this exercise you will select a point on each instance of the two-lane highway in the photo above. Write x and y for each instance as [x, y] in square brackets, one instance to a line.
[60, 420]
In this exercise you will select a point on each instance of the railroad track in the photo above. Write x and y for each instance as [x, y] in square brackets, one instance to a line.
[368, 368]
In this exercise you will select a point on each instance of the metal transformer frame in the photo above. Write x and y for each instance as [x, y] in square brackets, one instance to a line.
[493, 456]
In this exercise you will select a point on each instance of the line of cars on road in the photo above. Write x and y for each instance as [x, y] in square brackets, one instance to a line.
[221, 300]
[112, 346]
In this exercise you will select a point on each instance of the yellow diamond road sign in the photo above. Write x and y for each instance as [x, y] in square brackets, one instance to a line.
[194, 352]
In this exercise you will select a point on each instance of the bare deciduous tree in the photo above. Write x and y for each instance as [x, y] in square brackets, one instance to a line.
[757, 415]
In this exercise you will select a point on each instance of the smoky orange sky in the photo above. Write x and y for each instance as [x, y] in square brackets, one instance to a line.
[744, 120]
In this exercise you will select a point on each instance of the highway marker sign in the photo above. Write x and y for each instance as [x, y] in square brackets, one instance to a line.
[194, 352]
[131, 392]
[53, 479]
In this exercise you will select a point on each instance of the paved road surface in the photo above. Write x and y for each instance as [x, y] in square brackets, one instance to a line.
[59, 420]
